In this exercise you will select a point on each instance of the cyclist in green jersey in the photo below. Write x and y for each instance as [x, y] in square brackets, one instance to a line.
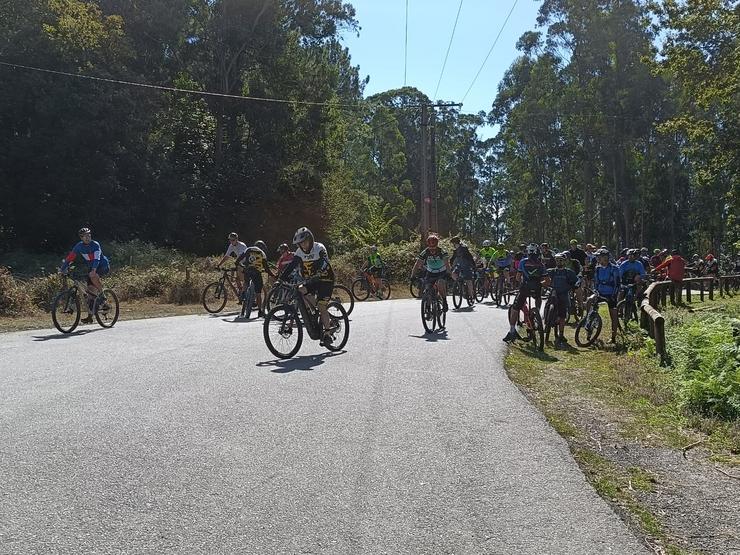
[374, 268]
[487, 254]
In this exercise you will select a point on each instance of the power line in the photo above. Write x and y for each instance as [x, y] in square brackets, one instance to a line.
[406, 45]
[491, 50]
[444, 64]
[179, 90]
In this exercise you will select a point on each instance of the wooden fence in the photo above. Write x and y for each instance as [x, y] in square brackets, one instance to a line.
[657, 295]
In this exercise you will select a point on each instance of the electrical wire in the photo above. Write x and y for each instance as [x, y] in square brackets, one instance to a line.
[449, 46]
[491, 50]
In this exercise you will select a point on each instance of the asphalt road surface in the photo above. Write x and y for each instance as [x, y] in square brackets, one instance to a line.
[185, 435]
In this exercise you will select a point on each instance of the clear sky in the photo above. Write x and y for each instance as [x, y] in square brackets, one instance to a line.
[379, 49]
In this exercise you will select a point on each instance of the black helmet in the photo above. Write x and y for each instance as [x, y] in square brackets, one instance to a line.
[302, 234]
[602, 252]
[261, 245]
[84, 231]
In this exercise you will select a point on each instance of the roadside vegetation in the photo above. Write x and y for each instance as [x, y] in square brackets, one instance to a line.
[661, 443]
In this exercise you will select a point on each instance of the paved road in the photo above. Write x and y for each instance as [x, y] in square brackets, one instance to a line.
[184, 435]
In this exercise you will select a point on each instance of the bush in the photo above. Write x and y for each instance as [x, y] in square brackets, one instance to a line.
[14, 297]
[43, 290]
[140, 254]
[706, 358]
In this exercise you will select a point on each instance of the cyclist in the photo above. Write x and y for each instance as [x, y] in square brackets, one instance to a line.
[312, 260]
[436, 264]
[532, 270]
[503, 264]
[236, 249]
[606, 285]
[487, 254]
[374, 269]
[547, 256]
[563, 279]
[631, 270]
[712, 267]
[255, 262]
[576, 253]
[463, 263]
[645, 258]
[516, 259]
[98, 266]
[285, 257]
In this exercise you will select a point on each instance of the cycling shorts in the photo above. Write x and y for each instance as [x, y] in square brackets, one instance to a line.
[255, 277]
[610, 300]
[563, 304]
[430, 278]
[375, 271]
[102, 271]
[464, 270]
[533, 288]
[321, 289]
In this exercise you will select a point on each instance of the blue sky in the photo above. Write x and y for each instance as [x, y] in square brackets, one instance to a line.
[379, 49]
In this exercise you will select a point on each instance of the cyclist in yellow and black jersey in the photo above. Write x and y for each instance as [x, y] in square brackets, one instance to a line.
[254, 261]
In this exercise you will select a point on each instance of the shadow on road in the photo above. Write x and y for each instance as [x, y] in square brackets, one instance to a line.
[433, 337]
[64, 335]
[539, 355]
[222, 314]
[239, 320]
[304, 363]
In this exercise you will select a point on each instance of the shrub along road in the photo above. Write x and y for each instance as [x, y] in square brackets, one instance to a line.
[184, 434]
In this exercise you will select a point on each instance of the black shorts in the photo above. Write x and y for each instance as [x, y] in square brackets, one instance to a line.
[529, 288]
[430, 278]
[465, 271]
[255, 277]
[611, 301]
[375, 271]
[322, 289]
[563, 304]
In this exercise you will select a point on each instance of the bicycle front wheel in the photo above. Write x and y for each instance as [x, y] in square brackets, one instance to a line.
[480, 289]
[415, 288]
[343, 295]
[441, 314]
[283, 331]
[537, 331]
[65, 311]
[339, 327]
[106, 308]
[214, 297]
[428, 314]
[457, 294]
[385, 289]
[247, 302]
[588, 330]
[360, 289]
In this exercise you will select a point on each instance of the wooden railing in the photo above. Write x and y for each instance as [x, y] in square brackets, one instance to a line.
[656, 296]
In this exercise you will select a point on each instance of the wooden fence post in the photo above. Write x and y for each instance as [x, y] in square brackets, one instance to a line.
[688, 292]
[659, 324]
[701, 290]
[711, 290]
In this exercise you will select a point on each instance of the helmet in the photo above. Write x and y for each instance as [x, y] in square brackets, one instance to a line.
[633, 252]
[432, 240]
[283, 247]
[84, 231]
[486, 243]
[694, 257]
[656, 251]
[533, 249]
[373, 247]
[602, 252]
[624, 252]
[574, 242]
[233, 235]
[545, 246]
[559, 256]
[302, 234]
[261, 245]
[710, 257]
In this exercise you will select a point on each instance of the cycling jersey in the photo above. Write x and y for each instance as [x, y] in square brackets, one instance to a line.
[503, 260]
[374, 261]
[606, 280]
[462, 257]
[314, 265]
[434, 262]
[488, 254]
[254, 257]
[629, 269]
[532, 269]
[236, 250]
[563, 279]
[285, 259]
[90, 253]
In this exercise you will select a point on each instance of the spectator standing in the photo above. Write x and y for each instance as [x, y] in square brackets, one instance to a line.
[676, 267]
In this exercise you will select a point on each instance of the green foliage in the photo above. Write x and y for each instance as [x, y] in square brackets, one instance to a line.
[706, 357]
[378, 228]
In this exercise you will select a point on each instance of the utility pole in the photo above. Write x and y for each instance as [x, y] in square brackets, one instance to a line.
[429, 192]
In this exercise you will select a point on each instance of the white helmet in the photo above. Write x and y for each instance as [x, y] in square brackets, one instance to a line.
[486, 243]
[533, 249]
[302, 234]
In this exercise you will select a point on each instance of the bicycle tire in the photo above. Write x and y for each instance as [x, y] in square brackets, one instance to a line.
[415, 288]
[427, 310]
[284, 318]
[272, 298]
[219, 294]
[457, 294]
[106, 319]
[344, 290]
[548, 321]
[247, 302]
[360, 289]
[537, 333]
[338, 315]
[385, 289]
[441, 314]
[64, 298]
[586, 337]
[480, 289]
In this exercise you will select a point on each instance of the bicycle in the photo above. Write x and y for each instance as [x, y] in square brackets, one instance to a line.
[278, 294]
[283, 326]
[247, 299]
[551, 317]
[627, 308]
[66, 307]
[215, 295]
[501, 291]
[589, 328]
[575, 308]
[532, 322]
[433, 315]
[482, 284]
[460, 291]
[362, 288]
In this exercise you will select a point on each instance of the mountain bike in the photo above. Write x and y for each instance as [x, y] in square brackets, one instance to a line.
[575, 308]
[66, 306]
[247, 298]
[501, 291]
[589, 328]
[627, 308]
[551, 317]
[460, 291]
[279, 293]
[215, 294]
[481, 284]
[362, 288]
[433, 315]
[530, 320]
[283, 326]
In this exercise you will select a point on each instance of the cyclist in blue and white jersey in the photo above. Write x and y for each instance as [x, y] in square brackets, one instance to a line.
[436, 264]
[98, 265]
[606, 284]
[532, 271]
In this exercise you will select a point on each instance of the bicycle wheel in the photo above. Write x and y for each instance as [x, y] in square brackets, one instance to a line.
[415, 288]
[360, 289]
[283, 331]
[457, 294]
[339, 328]
[343, 295]
[247, 302]
[272, 299]
[106, 308]
[480, 289]
[548, 320]
[385, 289]
[537, 332]
[214, 297]
[428, 314]
[588, 330]
[441, 314]
[65, 311]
